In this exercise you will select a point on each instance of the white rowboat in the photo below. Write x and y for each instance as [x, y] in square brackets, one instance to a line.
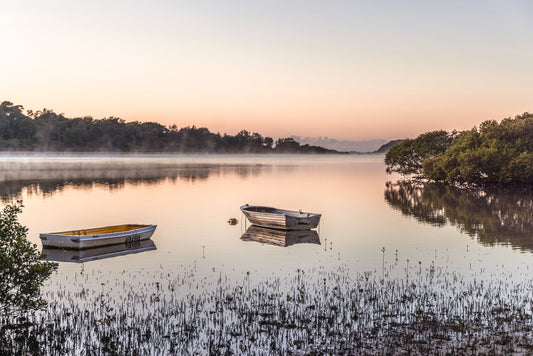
[100, 236]
[280, 219]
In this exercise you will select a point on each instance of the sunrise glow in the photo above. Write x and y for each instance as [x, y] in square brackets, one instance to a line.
[343, 69]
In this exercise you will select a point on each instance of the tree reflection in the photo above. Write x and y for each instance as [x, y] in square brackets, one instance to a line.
[494, 216]
[48, 179]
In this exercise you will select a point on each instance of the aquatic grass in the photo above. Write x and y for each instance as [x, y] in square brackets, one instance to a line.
[324, 310]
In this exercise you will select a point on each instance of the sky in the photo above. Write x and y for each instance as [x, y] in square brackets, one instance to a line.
[344, 69]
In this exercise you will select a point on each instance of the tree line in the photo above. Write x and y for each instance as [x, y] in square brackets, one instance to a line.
[493, 153]
[45, 130]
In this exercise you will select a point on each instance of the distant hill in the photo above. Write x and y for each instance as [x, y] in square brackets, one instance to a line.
[359, 147]
[342, 145]
[386, 147]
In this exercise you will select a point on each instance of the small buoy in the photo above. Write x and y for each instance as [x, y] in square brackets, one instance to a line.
[233, 221]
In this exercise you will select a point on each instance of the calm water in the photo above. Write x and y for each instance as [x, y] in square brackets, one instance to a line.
[191, 198]
[392, 265]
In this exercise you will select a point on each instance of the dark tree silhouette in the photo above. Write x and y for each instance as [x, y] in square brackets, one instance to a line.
[22, 272]
[47, 131]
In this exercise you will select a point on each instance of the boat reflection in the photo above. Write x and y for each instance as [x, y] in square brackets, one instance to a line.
[282, 238]
[98, 253]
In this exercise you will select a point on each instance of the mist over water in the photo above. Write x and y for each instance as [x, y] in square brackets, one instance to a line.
[47, 177]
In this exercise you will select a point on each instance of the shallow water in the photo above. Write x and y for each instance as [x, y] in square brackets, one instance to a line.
[191, 198]
[436, 242]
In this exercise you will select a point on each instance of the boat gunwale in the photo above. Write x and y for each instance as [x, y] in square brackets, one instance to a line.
[276, 211]
[140, 228]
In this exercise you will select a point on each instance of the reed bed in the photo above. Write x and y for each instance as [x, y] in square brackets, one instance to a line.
[304, 312]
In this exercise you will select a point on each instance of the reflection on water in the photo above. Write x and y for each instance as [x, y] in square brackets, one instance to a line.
[192, 198]
[494, 216]
[43, 178]
[280, 237]
[254, 298]
[97, 253]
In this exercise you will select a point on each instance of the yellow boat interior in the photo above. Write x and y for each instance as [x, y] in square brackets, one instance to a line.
[101, 230]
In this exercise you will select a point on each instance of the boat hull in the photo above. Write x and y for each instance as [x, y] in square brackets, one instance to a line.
[73, 241]
[280, 219]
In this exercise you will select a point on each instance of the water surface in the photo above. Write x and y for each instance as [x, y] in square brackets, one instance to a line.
[393, 265]
[370, 222]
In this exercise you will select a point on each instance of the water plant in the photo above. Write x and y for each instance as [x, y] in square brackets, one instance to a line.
[310, 311]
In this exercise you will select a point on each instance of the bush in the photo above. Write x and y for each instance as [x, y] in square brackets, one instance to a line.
[22, 272]
[494, 153]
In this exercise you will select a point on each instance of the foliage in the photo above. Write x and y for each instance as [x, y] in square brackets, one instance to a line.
[494, 153]
[22, 272]
[47, 131]
[408, 156]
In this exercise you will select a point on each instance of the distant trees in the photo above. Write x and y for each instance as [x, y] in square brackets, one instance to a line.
[16, 129]
[286, 145]
[289, 145]
[47, 131]
[494, 153]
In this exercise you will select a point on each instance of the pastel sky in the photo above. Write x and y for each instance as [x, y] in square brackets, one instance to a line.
[346, 69]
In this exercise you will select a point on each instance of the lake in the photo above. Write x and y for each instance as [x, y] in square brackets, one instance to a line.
[373, 224]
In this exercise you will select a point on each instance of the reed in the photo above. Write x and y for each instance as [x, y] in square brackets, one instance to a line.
[422, 310]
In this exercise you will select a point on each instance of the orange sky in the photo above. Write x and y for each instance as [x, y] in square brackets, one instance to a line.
[343, 69]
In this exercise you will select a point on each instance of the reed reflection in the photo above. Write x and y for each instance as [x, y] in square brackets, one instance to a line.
[48, 178]
[282, 238]
[494, 216]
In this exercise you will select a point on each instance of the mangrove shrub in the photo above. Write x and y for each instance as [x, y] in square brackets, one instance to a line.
[22, 272]
[493, 153]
